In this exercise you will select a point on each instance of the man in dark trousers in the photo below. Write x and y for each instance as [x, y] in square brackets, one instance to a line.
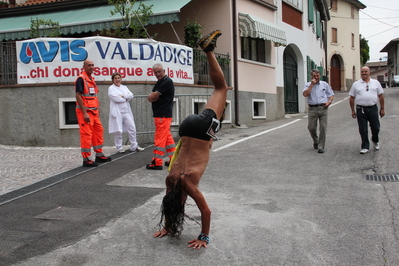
[161, 98]
[366, 93]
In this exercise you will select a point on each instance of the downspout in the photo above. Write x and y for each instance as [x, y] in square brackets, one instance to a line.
[235, 60]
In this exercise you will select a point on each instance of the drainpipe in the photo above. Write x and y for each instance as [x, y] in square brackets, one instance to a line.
[235, 72]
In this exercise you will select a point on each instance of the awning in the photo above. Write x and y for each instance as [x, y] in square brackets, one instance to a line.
[254, 27]
[87, 19]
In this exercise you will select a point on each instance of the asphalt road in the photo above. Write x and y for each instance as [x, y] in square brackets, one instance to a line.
[274, 201]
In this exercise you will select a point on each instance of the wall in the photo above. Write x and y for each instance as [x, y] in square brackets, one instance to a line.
[346, 26]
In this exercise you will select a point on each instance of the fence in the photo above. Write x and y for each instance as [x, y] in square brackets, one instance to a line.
[183, 105]
[8, 65]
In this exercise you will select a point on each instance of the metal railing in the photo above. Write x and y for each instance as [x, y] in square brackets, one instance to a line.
[8, 65]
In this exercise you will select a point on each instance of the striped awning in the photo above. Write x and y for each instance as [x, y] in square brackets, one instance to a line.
[254, 27]
[87, 19]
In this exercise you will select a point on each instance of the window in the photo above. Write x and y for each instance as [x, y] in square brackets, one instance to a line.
[175, 113]
[256, 49]
[258, 108]
[334, 37]
[67, 113]
[353, 40]
[295, 3]
[334, 5]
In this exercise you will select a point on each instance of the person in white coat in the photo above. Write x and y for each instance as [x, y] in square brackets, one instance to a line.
[121, 115]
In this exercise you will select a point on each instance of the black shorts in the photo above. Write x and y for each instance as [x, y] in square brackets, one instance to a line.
[203, 126]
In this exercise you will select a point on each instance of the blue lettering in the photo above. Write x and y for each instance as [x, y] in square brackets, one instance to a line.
[189, 58]
[28, 52]
[64, 50]
[158, 54]
[100, 49]
[79, 53]
[181, 57]
[48, 55]
[167, 50]
[142, 52]
[118, 51]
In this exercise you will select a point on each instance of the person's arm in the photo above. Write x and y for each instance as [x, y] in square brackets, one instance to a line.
[307, 92]
[82, 106]
[114, 96]
[79, 90]
[352, 106]
[382, 105]
[199, 199]
[153, 96]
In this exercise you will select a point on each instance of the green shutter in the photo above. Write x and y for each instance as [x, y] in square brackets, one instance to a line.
[311, 11]
[318, 24]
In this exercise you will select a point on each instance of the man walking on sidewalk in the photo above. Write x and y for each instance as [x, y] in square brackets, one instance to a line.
[320, 96]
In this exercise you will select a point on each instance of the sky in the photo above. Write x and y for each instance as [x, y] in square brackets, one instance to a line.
[379, 24]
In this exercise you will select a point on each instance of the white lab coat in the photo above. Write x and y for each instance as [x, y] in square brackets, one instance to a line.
[119, 105]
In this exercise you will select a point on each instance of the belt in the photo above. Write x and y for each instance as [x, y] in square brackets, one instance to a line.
[315, 105]
[361, 106]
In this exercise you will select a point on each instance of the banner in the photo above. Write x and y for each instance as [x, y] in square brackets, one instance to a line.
[53, 60]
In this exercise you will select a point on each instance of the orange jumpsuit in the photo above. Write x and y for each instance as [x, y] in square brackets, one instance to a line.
[90, 134]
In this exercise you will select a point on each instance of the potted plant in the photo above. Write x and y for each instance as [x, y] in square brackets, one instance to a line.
[3, 4]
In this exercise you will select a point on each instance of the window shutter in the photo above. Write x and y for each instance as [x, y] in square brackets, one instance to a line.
[311, 11]
[318, 24]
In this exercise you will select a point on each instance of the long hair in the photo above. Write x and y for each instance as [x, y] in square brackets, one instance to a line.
[172, 210]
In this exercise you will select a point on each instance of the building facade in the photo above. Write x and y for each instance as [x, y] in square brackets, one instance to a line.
[343, 46]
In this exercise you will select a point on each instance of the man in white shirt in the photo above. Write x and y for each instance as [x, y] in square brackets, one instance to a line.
[366, 93]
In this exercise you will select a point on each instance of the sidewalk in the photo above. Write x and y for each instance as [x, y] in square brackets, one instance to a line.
[22, 166]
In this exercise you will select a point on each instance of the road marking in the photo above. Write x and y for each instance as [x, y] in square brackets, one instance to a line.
[254, 136]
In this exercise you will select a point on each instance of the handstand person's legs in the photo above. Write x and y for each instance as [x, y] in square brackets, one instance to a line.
[217, 100]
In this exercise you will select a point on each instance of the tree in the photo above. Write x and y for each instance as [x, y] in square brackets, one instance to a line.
[364, 51]
[192, 33]
[133, 20]
[44, 28]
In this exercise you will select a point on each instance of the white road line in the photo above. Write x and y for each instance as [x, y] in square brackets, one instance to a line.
[266, 131]
[254, 136]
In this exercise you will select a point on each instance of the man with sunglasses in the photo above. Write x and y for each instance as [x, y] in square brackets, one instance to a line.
[366, 93]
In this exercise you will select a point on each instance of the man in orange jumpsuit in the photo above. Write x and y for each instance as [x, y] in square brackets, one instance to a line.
[87, 112]
[161, 98]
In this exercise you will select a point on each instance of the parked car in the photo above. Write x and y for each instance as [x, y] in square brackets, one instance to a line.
[395, 81]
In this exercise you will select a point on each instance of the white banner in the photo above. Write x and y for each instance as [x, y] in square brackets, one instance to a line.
[52, 60]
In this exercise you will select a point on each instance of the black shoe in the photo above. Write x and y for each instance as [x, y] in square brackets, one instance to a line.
[208, 42]
[154, 167]
[103, 159]
[90, 163]
[321, 151]
[315, 145]
[167, 163]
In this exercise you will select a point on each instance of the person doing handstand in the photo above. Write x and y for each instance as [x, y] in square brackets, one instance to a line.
[192, 155]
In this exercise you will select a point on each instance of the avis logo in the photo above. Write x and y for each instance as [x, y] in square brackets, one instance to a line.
[40, 52]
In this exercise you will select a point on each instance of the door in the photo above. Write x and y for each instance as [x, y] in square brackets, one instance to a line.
[335, 72]
[290, 83]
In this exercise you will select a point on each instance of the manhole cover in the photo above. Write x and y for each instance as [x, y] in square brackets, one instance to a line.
[382, 178]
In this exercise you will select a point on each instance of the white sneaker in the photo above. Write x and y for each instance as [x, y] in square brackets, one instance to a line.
[376, 146]
[364, 151]
[120, 151]
[139, 148]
